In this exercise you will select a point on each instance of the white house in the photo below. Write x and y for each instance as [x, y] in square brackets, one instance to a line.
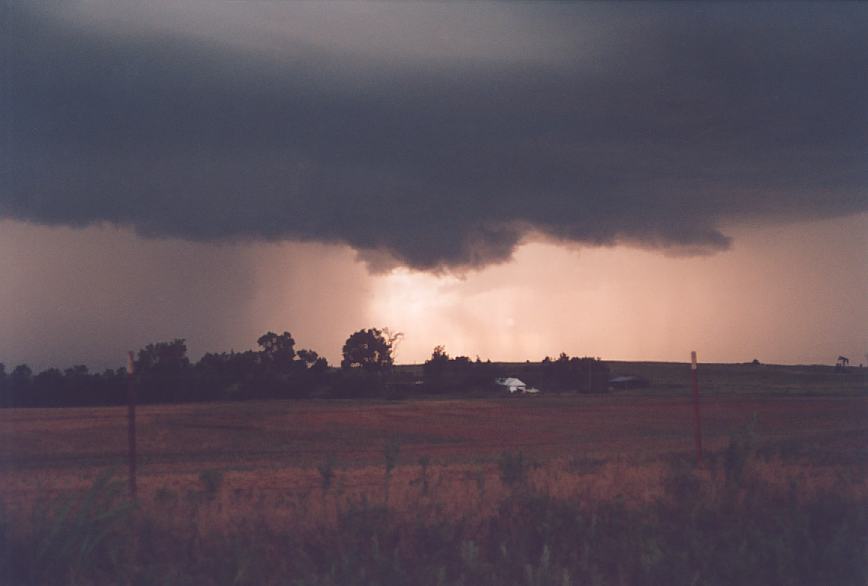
[512, 384]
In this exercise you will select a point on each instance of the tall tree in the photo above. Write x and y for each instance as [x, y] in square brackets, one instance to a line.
[369, 350]
[278, 351]
[164, 371]
[163, 357]
[435, 368]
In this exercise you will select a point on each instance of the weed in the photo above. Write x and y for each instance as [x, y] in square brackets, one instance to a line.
[391, 451]
[778, 536]
[165, 497]
[681, 482]
[211, 481]
[71, 535]
[584, 464]
[513, 468]
[326, 470]
[423, 480]
[738, 453]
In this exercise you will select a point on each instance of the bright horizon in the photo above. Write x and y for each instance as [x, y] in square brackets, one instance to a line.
[639, 305]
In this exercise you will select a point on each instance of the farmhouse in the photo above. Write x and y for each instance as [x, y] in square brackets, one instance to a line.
[514, 385]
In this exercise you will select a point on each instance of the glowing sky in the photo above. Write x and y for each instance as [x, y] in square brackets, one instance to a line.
[790, 293]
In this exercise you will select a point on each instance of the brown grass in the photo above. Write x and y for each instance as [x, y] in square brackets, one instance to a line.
[264, 454]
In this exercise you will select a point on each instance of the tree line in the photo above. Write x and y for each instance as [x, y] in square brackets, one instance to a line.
[563, 374]
[163, 373]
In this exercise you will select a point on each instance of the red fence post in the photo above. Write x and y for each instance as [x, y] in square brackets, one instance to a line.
[131, 421]
[697, 420]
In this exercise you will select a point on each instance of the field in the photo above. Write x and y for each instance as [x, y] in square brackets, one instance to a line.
[212, 468]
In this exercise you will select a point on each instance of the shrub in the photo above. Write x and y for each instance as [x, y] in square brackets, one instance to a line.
[391, 451]
[513, 468]
[75, 535]
[326, 470]
[211, 481]
[738, 453]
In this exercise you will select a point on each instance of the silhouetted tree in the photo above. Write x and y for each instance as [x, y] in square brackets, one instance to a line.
[19, 383]
[575, 374]
[5, 398]
[163, 357]
[458, 374]
[164, 371]
[20, 373]
[277, 370]
[78, 386]
[79, 370]
[109, 387]
[278, 351]
[434, 369]
[47, 388]
[165, 374]
[232, 375]
[367, 357]
[369, 350]
[313, 361]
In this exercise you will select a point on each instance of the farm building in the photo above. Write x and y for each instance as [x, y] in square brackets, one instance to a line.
[514, 385]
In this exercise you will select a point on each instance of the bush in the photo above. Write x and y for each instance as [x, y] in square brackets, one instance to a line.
[738, 453]
[513, 468]
[326, 470]
[79, 535]
[211, 481]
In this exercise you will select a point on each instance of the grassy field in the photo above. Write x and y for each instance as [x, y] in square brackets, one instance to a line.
[208, 470]
[810, 414]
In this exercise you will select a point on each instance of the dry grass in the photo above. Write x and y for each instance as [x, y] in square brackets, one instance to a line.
[265, 492]
[264, 455]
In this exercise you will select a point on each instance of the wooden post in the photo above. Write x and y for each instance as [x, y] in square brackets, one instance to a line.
[697, 421]
[131, 421]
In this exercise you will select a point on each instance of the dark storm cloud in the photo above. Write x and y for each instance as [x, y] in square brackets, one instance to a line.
[649, 125]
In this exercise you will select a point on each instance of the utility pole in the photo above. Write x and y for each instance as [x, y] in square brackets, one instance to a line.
[697, 420]
[131, 421]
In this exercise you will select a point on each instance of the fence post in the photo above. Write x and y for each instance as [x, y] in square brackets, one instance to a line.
[131, 421]
[697, 420]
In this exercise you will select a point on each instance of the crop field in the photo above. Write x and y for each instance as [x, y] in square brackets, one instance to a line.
[210, 468]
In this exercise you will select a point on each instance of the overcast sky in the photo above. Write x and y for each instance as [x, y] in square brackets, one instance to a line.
[622, 180]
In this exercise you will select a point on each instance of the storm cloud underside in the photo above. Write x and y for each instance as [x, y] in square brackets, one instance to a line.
[422, 135]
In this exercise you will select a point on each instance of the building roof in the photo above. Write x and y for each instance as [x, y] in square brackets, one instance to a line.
[510, 382]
